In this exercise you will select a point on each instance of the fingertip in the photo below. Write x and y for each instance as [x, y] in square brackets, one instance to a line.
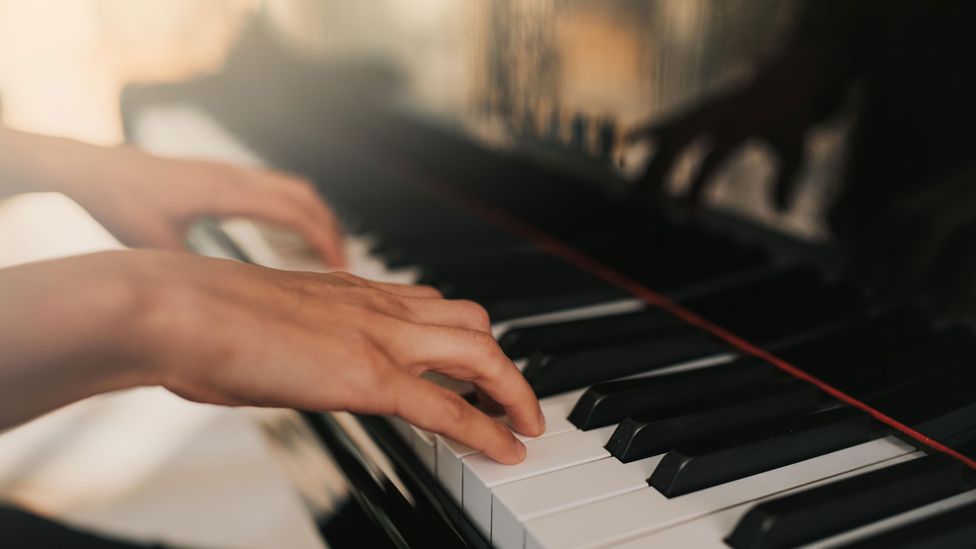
[520, 450]
[515, 454]
[530, 428]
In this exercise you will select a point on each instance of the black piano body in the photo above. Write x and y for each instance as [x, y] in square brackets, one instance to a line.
[545, 156]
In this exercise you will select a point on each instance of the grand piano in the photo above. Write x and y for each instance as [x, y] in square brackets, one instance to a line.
[729, 245]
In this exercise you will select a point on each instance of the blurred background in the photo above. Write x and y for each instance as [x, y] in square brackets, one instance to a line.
[543, 74]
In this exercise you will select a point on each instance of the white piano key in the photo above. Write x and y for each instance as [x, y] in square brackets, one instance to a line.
[423, 446]
[450, 471]
[642, 511]
[555, 409]
[516, 503]
[544, 455]
[402, 428]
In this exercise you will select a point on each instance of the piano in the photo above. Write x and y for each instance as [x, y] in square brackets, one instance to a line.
[716, 375]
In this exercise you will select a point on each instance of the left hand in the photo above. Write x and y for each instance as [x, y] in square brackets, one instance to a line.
[150, 201]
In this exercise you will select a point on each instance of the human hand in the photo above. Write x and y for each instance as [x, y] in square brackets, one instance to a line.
[226, 333]
[777, 108]
[149, 201]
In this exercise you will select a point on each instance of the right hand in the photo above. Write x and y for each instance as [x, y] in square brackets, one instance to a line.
[222, 332]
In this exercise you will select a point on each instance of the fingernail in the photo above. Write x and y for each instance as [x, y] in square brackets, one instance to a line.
[520, 448]
[542, 420]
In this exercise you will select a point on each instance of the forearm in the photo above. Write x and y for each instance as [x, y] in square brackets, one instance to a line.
[32, 163]
[56, 337]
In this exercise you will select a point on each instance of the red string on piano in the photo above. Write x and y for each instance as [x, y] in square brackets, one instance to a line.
[557, 248]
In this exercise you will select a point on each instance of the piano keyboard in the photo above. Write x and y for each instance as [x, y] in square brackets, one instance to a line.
[659, 435]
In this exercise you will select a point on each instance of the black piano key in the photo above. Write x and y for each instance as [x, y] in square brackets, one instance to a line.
[497, 266]
[952, 529]
[551, 374]
[849, 503]
[589, 332]
[865, 339]
[941, 405]
[435, 257]
[657, 432]
[549, 300]
[945, 349]
[729, 299]
[608, 403]
[696, 466]
[668, 265]
[781, 303]
[518, 285]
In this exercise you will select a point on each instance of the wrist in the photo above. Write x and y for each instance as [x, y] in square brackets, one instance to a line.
[70, 317]
[39, 163]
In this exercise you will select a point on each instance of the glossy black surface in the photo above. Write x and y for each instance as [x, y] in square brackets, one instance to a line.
[846, 504]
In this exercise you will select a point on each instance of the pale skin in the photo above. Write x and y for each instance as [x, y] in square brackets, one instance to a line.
[223, 332]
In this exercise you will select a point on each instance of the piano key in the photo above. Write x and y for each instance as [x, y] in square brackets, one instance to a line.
[736, 455]
[450, 453]
[783, 302]
[640, 512]
[546, 299]
[657, 432]
[939, 405]
[544, 455]
[725, 302]
[708, 531]
[516, 503]
[563, 336]
[422, 442]
[945, 349]
[555, 373]
[845, 504]
[501, 267]
[951, 529]
[620, 306]
[402, 428]
[610, 402]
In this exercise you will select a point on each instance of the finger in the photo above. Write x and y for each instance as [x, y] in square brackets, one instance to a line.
[787, 180]
[487, 403]
[436, 409]
[408, 290]
[706, 170]
[292, 203]
[288, 214]
[472, 356]
[330, 239]
[653, 180]
[450, 312]
[429, 311]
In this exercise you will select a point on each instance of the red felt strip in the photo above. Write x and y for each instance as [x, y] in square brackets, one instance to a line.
[559, 249]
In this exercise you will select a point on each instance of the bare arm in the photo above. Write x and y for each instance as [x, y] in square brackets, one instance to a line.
[148, 201]
[221, 332]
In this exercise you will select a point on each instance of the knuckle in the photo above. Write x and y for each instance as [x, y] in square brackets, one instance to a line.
[344, 276]
[386, 302]
[485, 343]
[432, 291]
[476, 312]
[455, 408]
